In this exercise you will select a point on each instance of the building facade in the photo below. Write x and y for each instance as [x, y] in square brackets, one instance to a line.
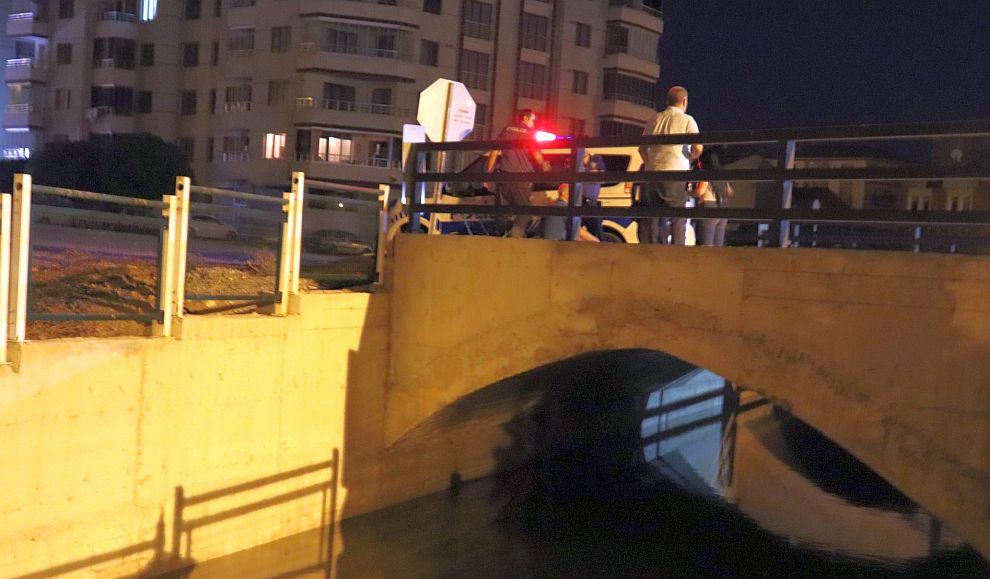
[254, 89]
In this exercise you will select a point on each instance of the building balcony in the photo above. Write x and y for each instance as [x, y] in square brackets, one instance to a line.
[25, 70]
[636, 12]
[107, 71]
[26, 24]
[371, 116]
[626, 107]
[631, 63]
[388, 64]
[104, 119]
[404, 11]
[115, 24]
[23, 116]
[348, 168]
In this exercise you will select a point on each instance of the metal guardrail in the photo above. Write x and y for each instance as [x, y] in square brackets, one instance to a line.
[172, 227]
[783, 176]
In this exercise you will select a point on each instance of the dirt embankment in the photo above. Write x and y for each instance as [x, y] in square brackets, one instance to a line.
[75, 282]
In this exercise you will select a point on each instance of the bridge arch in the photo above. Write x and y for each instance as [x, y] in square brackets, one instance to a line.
[885, 354]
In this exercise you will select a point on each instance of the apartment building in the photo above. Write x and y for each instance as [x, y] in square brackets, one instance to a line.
[254, 89]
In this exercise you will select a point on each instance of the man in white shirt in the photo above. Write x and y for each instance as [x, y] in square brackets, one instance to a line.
[673, 120]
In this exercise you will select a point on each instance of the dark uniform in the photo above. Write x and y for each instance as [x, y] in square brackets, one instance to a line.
[517, 161]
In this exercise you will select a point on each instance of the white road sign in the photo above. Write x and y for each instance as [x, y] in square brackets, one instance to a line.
[446, 111]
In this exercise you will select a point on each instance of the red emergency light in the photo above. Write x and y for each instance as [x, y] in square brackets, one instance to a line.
[545, 136]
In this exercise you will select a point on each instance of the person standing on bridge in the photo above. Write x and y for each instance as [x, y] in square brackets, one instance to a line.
[673, 120]
[525, 159]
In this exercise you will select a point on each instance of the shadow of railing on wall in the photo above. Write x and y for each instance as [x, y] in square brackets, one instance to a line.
[173, 563]
[184, 527]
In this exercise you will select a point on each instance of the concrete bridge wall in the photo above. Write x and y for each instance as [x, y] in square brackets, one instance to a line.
[98, 433]
[887, 354]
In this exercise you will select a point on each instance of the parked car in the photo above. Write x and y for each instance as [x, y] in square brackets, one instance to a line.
[335, 241]
[208, 226]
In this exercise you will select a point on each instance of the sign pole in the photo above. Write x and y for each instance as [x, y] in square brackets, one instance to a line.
[441, 161]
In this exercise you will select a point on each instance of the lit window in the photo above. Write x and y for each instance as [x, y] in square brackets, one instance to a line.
[274, 145]
[335, 149]
[149, 10]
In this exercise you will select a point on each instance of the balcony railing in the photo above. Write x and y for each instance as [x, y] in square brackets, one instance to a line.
[117, 16]
[20, 62]
[341, 48]
[233, 156]
[636, 100]
[20, 108]
[241, 3]
[372, 108]
[22, 17]
[237, 107]
[372, 161]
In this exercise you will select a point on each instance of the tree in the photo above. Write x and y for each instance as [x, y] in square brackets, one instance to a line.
[131, 165]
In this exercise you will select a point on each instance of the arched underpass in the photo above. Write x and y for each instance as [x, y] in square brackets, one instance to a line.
[886, 354]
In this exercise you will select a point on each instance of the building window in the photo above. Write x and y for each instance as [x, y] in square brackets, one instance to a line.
[213, 101]
[959, 202]
[532, 81]
[149, 10]
[210, 145]
[187, 102]
[480, 121]
[275, 145]
[217, 8]
[193, 9]
[575, 126]
[278, 91]
[533, 32]
[109, 98]
[190, 54]
[622, 87]
[235, 147]
[381, 101]
[63, 99]
[338, 97]
[240, 42]
[215, 54]
[281, 38]
[474, 69]
[144, 102]
[237, 97]
[66, 8]
[335, 148]
[63, 54]
[579, 82]
[188, 147]
[616, 39]
[582, 34]
[433, 6]
[147, 55]
[113, 53]
[477, 19]
[429, 53]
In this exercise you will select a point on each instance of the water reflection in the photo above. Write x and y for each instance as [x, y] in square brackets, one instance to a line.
[607, 477]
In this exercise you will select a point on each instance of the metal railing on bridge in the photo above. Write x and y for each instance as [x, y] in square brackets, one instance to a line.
[780, 222]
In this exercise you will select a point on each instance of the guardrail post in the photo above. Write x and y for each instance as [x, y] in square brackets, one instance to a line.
[785, 162]
[298, 187]
[384, 192]
[166, 269]
[20, 258]
[5, 204]
[285, 255]
[182, 187]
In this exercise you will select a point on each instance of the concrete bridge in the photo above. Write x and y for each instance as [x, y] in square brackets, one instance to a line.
[887, 354]
[123, 455]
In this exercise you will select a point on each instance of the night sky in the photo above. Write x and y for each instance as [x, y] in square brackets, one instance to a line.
[764, 64]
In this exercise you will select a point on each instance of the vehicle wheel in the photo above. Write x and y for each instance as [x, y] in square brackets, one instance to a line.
[611, 237]
[232, 236]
